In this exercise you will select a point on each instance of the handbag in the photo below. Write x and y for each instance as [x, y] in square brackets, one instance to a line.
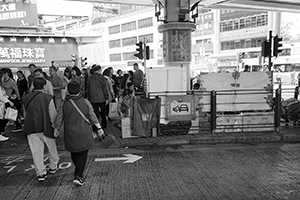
[2, 110]
[11, 114]
[105, 140]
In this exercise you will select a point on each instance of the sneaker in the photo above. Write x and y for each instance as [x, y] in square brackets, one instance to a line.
[78, 181]
[3, 138]
[41, 178]
[52, 171]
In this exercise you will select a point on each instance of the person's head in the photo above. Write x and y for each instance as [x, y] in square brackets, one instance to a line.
[130, 86]
[52, 70]
[130, 74]
[84, 71]
[135, 66]
[96, 69]
[39, 83]
[73, 87]
[68, 73]
[107, 72]
[7, 73]
[111, 69]
[196, 86]
[119, 72]
[20, 74]
[31, 68]
[247, 68]
[38, 73]
[76, 71]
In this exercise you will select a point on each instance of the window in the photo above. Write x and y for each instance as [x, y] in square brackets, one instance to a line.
[115, 43]
[151, 54]
[114, 29]
[129, 41]
[146, 38]
[143, 23]
[115, 57]
[129, 26]
[129, 56]
[240, 44]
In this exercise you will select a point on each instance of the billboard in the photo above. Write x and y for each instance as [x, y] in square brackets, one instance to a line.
[18, 14]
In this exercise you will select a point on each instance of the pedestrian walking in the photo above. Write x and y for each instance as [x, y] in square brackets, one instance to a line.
[77, 76]
[38, 73]
[77, 116]
[138, 77]
[40, 114]
[30, 78]
[58, 85]
[3, 104]
[111, 95]
[98, 94]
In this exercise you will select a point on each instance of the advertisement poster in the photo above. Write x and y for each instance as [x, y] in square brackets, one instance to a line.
[180, 107]
[18, 14]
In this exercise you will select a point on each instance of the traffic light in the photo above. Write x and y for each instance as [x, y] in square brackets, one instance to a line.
[276, 45]
[147, 52]
[241, 57]
[83, 62]
[265, 49]
[75, 59]
[139, 50]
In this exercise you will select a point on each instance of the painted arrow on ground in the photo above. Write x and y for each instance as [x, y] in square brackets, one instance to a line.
[130, 158]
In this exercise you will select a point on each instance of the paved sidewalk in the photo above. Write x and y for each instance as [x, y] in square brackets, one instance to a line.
[286, 134]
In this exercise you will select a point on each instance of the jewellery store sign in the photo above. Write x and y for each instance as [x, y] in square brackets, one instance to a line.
[10, 55]
[18, 14]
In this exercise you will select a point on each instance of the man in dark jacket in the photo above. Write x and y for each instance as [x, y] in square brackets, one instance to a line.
[98, 93]
[39, 119]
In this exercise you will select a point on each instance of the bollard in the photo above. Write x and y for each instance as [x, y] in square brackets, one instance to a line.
[213, 111]
[277, 109]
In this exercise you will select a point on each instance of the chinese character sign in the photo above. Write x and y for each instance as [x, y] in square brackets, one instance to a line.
[18, 14]
[22, 55]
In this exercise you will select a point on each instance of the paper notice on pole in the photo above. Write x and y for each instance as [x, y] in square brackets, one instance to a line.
[237, 91]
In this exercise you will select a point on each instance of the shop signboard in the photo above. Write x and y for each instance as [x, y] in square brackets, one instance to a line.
[20, 54]
[18, 14]
[180, 107]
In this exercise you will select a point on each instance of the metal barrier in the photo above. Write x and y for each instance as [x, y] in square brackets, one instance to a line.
[237, 121]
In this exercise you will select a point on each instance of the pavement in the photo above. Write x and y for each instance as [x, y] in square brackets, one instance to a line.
[286, 134]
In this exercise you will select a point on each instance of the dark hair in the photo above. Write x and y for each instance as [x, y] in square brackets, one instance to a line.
[106, 72]
[32, 65]
[119, 71]
[135, 64]
[77, 70]
[55, 68]
[196, 86]
[129, 84]
[21, 72]
[8, 71]
[131, 75]
[124, 80]
[38, 70]
[126, 92]
[95, 68]
[73, 87]
[68, 70]
[39, 83]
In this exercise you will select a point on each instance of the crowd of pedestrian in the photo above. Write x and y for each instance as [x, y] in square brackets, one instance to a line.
[77, 102]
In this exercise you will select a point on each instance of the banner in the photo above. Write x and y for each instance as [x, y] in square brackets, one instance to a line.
[18, 14]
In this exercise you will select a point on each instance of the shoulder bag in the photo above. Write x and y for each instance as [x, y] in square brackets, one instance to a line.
[105, 140]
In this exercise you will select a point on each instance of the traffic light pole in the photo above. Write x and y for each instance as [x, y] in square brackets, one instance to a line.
[270, 47]
[144, 55]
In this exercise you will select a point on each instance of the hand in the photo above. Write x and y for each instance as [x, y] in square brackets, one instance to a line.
[100, 132]
[56, 132]
[13, 97]
[11, 104]
[106, 102]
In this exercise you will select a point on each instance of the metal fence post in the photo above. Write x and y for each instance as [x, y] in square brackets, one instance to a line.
[296, 92]
[213, 111]
[277, 109]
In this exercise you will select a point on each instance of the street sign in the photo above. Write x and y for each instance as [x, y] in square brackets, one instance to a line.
[129, 158]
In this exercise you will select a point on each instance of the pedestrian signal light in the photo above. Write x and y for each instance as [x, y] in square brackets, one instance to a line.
[241, 57]
[276, 45]
[139, 50]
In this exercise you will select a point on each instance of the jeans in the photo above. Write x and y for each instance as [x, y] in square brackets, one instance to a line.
[79, 160]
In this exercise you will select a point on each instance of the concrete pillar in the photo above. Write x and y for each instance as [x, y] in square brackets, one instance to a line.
[217, 42]
[176, 30]
[270, 21]
[277, 27]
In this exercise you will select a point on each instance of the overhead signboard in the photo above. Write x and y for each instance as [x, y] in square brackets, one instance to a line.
[64, 8]
[18, 14]
[20, 54]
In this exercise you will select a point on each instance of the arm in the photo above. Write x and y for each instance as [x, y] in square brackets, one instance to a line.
[92, 117]
[60, 84]
[3, 96]
[49, 88]
[52, 112]
[15, 88]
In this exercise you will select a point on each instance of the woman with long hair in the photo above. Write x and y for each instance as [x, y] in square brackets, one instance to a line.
[4, 102]
[77, 76]
[108, 75]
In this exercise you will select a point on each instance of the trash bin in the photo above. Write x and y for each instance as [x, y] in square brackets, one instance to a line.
[145, 116]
